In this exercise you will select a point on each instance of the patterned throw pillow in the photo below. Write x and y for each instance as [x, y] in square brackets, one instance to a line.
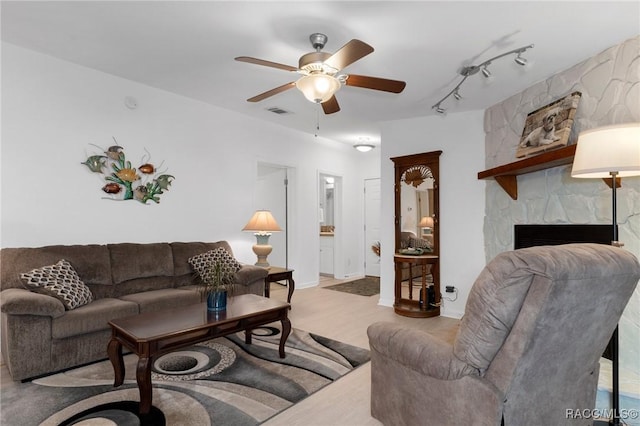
[60, 281]
[203, 262]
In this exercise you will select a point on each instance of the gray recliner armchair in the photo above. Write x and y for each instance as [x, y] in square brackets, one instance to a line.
[535, 325]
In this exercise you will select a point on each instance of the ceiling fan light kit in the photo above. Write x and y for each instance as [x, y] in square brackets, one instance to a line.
[318, 88]
[320, 79]
[470, 70]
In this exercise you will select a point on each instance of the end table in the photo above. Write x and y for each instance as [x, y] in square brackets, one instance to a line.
[279, 274]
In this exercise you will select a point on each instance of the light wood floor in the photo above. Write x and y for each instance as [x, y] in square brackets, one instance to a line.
[343, 317]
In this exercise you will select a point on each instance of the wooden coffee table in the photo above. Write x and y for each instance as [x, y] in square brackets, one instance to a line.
[155, 333]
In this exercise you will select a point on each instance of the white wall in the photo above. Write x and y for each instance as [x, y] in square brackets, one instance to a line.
[53, 110]
[461, 140]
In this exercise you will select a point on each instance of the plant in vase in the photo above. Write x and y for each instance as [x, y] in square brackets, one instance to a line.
[216, 284]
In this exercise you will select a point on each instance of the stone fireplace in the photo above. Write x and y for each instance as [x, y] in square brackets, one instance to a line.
[610, 87]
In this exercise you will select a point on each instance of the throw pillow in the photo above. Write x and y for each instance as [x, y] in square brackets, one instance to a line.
[419, 243]
[203, 262]
[60, 281]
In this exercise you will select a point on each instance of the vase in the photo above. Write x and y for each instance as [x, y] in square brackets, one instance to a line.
[217, 301]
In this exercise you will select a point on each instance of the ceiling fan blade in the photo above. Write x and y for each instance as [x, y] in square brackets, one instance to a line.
[375, 83]
[330, 106]
[266, 63]
[348, 54]
[272, 92]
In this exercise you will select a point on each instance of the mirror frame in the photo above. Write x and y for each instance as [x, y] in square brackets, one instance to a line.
[402, 164]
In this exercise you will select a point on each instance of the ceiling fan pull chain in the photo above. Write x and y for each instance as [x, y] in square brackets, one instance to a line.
[317, 121]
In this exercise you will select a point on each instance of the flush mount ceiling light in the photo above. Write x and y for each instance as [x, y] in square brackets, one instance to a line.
[363, 147]
[470, 70]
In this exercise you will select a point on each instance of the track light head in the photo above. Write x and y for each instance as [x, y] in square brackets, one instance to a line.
[456, 94]
[486, 72]
[520, 60]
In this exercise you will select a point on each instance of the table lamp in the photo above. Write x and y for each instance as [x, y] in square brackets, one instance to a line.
[426, 222]
[610, 152]
[262, 224]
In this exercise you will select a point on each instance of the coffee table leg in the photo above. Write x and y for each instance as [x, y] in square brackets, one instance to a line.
[114, 350]
[286, 329]
[143, 376]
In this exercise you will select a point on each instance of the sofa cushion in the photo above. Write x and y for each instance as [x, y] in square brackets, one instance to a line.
[167, 298]
[92, 317]
[60, 281]
[91, 262]
[203, 263]
[134, 261]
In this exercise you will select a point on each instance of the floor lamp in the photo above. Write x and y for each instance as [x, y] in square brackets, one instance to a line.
[610, 152]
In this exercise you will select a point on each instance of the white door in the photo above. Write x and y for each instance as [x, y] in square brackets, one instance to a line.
[371, 226]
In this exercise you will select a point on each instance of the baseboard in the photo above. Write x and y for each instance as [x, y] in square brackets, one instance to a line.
[451, 313]
[386, 302]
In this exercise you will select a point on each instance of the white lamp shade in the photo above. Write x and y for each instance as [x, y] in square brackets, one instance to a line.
[318, 88]
[262, 221]
[608, 149]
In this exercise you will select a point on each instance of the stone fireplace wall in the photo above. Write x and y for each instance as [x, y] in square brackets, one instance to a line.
[610, 87]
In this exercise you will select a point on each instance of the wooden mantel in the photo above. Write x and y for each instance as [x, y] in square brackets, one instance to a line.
[506, 174]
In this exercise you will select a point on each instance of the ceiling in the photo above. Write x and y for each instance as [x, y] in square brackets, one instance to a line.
[189, 48]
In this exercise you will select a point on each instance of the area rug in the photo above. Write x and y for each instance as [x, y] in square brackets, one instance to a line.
[367, 286]
[221, 381]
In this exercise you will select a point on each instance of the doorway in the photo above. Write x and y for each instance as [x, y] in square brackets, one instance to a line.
[372, 197]
[329, 219]
[272, 193]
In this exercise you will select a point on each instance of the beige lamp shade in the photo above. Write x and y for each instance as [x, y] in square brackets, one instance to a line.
[426, 222]
[608, 149]
[262, 221]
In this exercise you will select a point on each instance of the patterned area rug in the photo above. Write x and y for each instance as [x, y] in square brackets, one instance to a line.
[367, 286]
[199, 385]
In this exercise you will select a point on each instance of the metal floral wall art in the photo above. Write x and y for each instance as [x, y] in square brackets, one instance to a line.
[123, 181]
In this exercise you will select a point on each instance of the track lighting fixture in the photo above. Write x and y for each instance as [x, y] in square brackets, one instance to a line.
[470, 70]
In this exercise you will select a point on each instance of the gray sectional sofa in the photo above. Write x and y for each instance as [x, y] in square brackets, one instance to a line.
[39, 336]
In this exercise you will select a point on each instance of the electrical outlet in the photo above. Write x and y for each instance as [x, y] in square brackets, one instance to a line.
[450, 289]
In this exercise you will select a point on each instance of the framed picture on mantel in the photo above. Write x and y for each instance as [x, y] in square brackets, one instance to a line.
[548, 127]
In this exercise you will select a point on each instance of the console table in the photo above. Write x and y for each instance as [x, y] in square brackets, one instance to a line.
[410, 307]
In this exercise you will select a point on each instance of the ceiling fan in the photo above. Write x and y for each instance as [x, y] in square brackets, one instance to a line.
[321, 77]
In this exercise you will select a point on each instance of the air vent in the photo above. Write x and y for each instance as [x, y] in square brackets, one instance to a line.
[279, 111]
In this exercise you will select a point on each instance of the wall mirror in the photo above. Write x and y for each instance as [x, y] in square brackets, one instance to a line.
[417, 234]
